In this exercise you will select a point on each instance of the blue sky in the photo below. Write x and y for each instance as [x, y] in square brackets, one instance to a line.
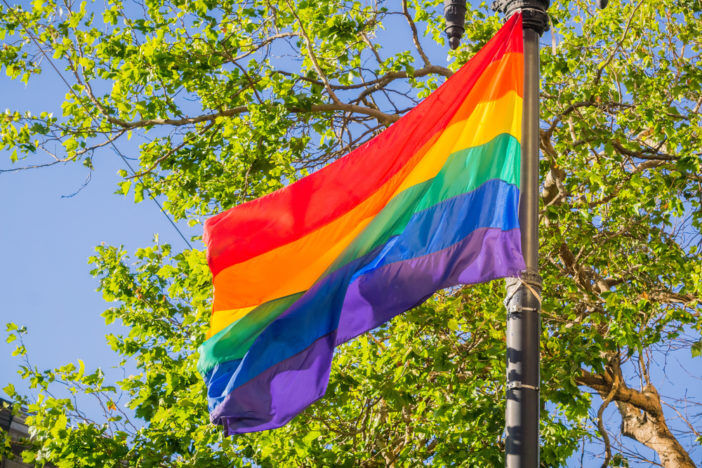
[47, 235]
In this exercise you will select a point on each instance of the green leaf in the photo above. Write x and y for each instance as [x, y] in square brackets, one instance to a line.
[453, 324]
[696, 349]
[9, 389]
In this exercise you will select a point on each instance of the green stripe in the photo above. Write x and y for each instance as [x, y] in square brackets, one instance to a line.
[233, 341]
[464, 171]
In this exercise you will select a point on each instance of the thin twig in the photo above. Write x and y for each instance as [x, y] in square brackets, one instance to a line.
[600, 423]
[619, 44]
[313, 57]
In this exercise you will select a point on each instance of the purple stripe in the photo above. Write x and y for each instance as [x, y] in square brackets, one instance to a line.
[278, 394]
[379, 295]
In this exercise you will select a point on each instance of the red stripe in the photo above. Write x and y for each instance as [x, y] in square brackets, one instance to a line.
[260, 225]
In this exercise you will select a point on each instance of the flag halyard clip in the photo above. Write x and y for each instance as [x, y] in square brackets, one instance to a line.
[518, 386]
[515, 310]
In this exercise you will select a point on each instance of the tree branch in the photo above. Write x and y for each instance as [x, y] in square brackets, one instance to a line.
[382, 80]
[313, 57]
[415, 34]
[603, 383]
[387, 78]
[330, 107]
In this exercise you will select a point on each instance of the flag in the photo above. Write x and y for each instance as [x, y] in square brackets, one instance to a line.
[430, 203]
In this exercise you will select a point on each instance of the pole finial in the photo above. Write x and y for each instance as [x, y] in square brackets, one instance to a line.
[533, 12]
[455, 14]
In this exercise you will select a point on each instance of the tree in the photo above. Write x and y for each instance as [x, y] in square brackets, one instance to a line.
[233, 100]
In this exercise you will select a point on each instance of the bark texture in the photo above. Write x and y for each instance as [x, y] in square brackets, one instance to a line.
[642, 416]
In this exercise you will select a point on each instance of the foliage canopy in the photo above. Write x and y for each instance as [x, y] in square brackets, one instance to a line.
[231, 100]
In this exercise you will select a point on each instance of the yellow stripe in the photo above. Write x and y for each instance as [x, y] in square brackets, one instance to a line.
[294, 267]
[503, 116]
[223, 318]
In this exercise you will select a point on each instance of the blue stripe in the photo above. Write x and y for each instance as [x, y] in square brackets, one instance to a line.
[445, 223]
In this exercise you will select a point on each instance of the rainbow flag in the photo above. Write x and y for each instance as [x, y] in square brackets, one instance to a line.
[429, 203]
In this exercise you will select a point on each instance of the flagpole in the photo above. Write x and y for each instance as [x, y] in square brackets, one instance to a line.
[523, 299]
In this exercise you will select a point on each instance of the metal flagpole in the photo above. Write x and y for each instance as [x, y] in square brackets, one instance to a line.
[523, 300]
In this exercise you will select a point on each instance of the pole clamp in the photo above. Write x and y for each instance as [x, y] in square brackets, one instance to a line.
[528, 282]
[531, 278]
[518, 385]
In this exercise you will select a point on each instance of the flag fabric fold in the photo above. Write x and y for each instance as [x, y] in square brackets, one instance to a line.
[430, 203]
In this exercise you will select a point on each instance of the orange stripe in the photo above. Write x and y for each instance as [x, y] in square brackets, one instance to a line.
[296, 266]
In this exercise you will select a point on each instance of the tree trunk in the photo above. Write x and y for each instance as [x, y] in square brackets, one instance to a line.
[642, 417]
[652, 431]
